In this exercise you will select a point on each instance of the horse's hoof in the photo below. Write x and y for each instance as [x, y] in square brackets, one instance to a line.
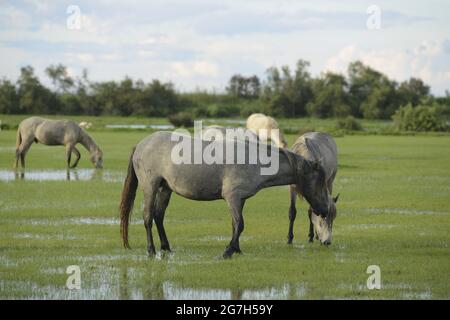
[166, 248]
[151, 251]
[289, 240]
[229, 252]
[311, 240]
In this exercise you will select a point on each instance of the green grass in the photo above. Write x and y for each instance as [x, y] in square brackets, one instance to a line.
[394, 212]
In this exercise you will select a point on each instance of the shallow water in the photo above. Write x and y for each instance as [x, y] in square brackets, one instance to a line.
[164, 291]
[60, 175]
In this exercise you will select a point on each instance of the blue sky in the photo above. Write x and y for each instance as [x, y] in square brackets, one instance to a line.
[200, 44]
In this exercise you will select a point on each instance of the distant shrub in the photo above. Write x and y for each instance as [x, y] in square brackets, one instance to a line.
[419, 119]
[349, 124]
[181, 119]
[4, 126]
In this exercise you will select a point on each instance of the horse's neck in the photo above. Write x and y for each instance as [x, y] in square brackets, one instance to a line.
[88, 142]
[286, 173]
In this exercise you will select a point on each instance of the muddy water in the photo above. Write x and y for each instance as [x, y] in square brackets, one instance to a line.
[60, 175]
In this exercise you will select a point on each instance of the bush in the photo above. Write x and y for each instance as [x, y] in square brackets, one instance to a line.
[349, 124]
[181, 119]
[4, 126]
[419, 119]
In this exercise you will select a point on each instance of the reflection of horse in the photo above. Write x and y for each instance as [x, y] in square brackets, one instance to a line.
[152, 167]
[55, 133]
[264, 125]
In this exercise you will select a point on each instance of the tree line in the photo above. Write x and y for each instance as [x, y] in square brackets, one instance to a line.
[362, 92]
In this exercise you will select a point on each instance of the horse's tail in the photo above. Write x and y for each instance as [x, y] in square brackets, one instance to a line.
[126, 204]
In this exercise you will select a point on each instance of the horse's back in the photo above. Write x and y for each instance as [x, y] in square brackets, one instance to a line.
[57, 132]
[261, 121]
[154, 160]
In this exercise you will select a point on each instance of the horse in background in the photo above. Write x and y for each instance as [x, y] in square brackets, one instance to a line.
[55, 133]
[258, 121]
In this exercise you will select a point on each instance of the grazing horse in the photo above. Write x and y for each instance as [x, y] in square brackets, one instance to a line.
[152, 167]
[316, 146]
[258, 121]
[55, 133]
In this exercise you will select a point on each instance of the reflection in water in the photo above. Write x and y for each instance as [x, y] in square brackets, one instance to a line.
[61, 175]
[150, 285]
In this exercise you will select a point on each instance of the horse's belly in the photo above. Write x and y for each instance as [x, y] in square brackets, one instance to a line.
[196, 191]
[50, 137]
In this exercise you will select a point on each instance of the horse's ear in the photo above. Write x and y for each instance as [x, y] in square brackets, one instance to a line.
[335, 199]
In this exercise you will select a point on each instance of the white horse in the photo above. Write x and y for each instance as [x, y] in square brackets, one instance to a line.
[85, 125]
[258, 121]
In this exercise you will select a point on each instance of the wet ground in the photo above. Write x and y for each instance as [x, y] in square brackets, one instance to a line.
[61, 175]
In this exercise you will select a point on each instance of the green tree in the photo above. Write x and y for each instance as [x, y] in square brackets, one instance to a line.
[287, 93]
[330, 96]
[34, 98]
[244, 87]
[60, 77]
[412, 91]
[9, 98]
[372, 94]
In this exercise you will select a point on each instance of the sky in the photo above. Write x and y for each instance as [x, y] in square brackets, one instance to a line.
[201, 44]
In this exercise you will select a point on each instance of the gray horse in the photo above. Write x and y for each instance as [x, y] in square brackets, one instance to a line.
[55, 133]
[151, 167]
[316, 146]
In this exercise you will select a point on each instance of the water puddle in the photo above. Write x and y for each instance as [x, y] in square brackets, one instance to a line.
[68, 221]
[406, 211]
[172, 291]
[61, 175]
[140, 126]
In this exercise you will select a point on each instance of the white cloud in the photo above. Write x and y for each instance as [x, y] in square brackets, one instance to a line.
[196, 68]
[81, 57]
[146, 53]
[203, 44]
[428, 61]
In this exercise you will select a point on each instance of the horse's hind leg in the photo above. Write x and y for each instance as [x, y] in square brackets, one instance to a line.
[22, 150]
[236, 205]
[292, 213]
[149, 213]
[162, 201]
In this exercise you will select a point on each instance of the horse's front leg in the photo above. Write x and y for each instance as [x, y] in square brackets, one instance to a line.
[78, 155]
[69, 148]
[236, 205]
[292, 213]
[311, 226]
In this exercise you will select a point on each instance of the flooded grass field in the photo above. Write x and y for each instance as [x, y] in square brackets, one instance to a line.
[394, 212]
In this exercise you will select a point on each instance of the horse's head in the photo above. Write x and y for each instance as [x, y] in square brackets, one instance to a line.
[323, 226]
[97, 158]
[313, 186]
